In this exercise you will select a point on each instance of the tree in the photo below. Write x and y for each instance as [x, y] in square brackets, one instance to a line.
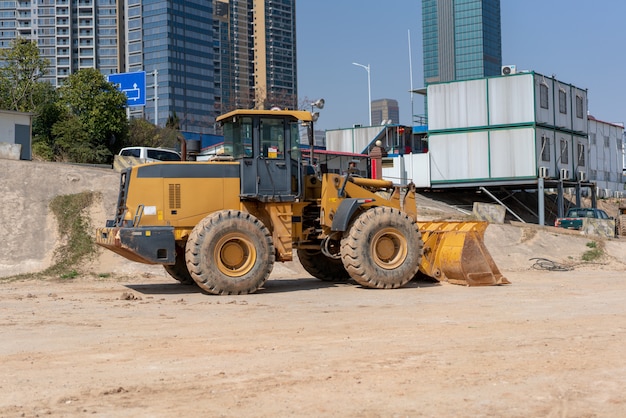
[20, 75]
[143, 134]
[98, 108]
[73, 143]
[173, 121]
[47, 113]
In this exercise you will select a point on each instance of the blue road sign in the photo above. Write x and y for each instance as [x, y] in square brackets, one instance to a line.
[133, 85]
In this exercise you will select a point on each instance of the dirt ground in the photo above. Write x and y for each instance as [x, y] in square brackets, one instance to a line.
[125, 340]
[139, 344]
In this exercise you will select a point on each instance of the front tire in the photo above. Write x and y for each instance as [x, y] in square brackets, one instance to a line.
[230, 253]
[382, 248]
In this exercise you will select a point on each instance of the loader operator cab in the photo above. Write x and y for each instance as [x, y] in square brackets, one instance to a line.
[266, 143]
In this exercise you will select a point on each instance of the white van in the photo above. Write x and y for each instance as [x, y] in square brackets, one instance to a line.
[150, 155]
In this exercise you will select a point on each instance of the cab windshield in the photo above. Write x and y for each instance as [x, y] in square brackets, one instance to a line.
[279, 138]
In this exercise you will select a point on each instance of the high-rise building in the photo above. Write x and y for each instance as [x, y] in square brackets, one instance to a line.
[385, 110]
[172, 41]
[70, 34]
[201, 58]
[257, 64]
[461, 39]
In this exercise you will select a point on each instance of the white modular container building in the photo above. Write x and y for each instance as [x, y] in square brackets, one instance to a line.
[505, 129]
[354, 140]
[606, 157]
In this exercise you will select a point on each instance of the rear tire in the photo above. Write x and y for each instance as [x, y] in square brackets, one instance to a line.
[382, 248]
[230, 253]
[179, 270]
[321, 267]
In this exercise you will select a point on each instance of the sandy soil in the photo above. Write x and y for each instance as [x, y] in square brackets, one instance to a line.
[550, 344]
[128, 341]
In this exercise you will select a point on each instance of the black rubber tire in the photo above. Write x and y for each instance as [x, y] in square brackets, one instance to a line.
[322, 267]
[230, 253]
[179, 270]
[382, 249]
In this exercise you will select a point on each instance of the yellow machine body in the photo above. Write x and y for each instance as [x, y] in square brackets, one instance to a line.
[270, 204]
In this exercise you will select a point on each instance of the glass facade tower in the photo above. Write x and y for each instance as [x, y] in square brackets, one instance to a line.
[172, 41]
[461, 39]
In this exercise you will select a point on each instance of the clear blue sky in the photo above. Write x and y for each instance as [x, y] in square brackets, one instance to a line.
[581, 42]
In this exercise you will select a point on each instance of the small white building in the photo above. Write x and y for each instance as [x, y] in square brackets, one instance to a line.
[16, 132]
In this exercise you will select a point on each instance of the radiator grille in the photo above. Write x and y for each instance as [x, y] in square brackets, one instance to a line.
[174, 196]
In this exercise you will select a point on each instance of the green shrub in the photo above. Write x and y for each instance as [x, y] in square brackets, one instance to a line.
[74, 232]
[594, 253]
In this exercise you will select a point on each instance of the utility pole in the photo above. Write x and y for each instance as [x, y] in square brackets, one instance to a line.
[369, 87]
[155, 73]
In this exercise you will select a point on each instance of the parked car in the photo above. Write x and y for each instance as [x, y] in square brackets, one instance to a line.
[574, 217]
[150, 155]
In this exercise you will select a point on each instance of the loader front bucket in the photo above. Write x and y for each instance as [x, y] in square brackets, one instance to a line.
[455, 252]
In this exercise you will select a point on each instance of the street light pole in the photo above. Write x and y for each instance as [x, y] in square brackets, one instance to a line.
[369, 87]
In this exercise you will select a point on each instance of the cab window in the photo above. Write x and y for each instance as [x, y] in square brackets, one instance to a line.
[238, 137]
[295, 140]
[273, 138]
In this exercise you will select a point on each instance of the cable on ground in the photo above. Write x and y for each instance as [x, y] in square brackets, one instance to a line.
[545, 264]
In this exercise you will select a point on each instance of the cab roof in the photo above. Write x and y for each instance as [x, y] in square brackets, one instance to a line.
[302, 115]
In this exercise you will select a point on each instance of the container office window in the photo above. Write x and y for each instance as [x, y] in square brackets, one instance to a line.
[579, 107]
[592, 138]
[563, 102]
[607, 141]
[564, 152]
[581, 155]
[543, 97]
[545, 148]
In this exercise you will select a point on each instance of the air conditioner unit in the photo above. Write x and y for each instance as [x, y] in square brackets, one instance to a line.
[599, 193]
[564, 174]
[582, 176]
[508, 69]
[544, 173]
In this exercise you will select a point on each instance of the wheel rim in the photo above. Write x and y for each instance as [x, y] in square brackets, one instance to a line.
[388, 248]
[234, 255]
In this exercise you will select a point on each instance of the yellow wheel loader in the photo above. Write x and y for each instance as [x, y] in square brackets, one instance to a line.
[223, 223]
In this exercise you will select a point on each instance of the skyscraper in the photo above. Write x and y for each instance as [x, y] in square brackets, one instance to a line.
[70, 34]
[201, 57]
[257, 64]
[172, 40]
[461, 39]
